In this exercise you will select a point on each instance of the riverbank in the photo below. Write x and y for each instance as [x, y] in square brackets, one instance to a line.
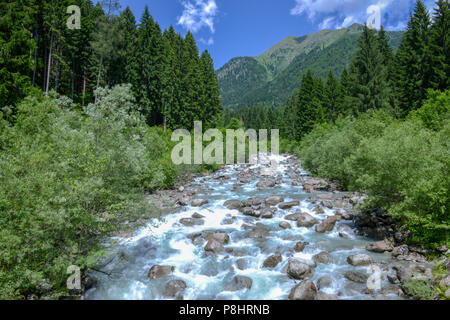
[241, 233]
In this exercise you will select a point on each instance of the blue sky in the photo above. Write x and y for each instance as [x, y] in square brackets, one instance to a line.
[231, 28]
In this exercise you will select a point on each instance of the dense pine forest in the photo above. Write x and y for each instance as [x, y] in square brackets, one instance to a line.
[172, 84]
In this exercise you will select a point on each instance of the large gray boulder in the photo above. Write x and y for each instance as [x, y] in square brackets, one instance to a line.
[214, 247]
[305, 290]
[174, 288]
[380, 246]
[327, 225]
[239, 283]
[288, 205]
[322, 257]
[266, 184]
[306, 220]
[273, 201]
[299, 270]
[158, 271]
[232, 204]
[272, 261]
[199, 202]
[358, 260]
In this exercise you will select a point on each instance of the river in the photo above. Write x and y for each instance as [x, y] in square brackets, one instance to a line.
[125, 273]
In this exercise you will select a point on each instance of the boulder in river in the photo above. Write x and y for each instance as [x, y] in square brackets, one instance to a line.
[266, 184]
[358, 260]
[400, 250]
[327, 224]
[288, 205]
[285, 225]
[272, 261]
[298, 270]
[233, 204]
[293, 216]
[306, 220]
[199, 202]
[305, 290]
[213, 246]
[197, 215]
[158, 271]
[322, 257]
[239, 283]
[189, 222]
[358, 277]
[299, 246]
[318, 209]
[324, 282]
[273, 201]
[380, 246]
[174, 288]
[221, 237]
[267, 213]
[326, 296]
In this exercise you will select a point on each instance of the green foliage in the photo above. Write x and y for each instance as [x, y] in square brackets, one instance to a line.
[401, 164]
[67, 180]
[420, 289]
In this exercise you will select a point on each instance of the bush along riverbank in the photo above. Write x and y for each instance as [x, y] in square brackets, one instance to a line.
[403, 168]
[421, 273]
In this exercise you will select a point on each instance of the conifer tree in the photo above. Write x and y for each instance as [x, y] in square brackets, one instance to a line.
[413, 61]
[439, 47]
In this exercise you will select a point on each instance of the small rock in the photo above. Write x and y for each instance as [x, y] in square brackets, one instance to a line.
[240, 282]
[266, 184]
[285, 225]
[273, 201]
[293, 216]
[359, 260]
[214, 246]
[158, 271]
[174, 288]
[305, 290]
[241, 263]
[325, 296]
[233, 204]
[197, 215]
[356, 276]
[306, 220]
[324, 282]
[380, 246]
[322, 257]
[445, 282]
[318, 209]
[199, 202]
[272, 261]
[327, 224]
[299, 247]
[189, 222]
[400, 251]
[298, 270]
[288, 205]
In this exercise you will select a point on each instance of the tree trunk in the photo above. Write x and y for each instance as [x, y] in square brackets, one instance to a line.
[49, 65]
[84, 85]
[35, 59]
[98, 76]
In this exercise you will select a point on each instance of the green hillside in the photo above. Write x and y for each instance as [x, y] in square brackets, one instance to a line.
[270, 78]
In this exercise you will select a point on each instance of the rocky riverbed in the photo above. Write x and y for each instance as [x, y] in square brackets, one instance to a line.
[262, 231]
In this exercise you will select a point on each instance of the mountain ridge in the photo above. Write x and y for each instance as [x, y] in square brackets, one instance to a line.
[268, 79]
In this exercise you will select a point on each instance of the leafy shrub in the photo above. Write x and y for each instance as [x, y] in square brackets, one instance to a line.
[66, 179]
[403, 165]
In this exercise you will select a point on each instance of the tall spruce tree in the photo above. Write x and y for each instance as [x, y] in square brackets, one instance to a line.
[308, 105]
[210, 102]
[439, 47]
[413, 61]
[370, 82]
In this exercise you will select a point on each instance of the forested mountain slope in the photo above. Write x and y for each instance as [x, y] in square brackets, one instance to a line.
[270, 78]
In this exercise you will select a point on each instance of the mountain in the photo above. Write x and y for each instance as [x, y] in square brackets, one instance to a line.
[270, 78]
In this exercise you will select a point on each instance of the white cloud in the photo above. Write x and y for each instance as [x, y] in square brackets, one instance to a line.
[335, 14]
[208, 42]
[198, 14]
